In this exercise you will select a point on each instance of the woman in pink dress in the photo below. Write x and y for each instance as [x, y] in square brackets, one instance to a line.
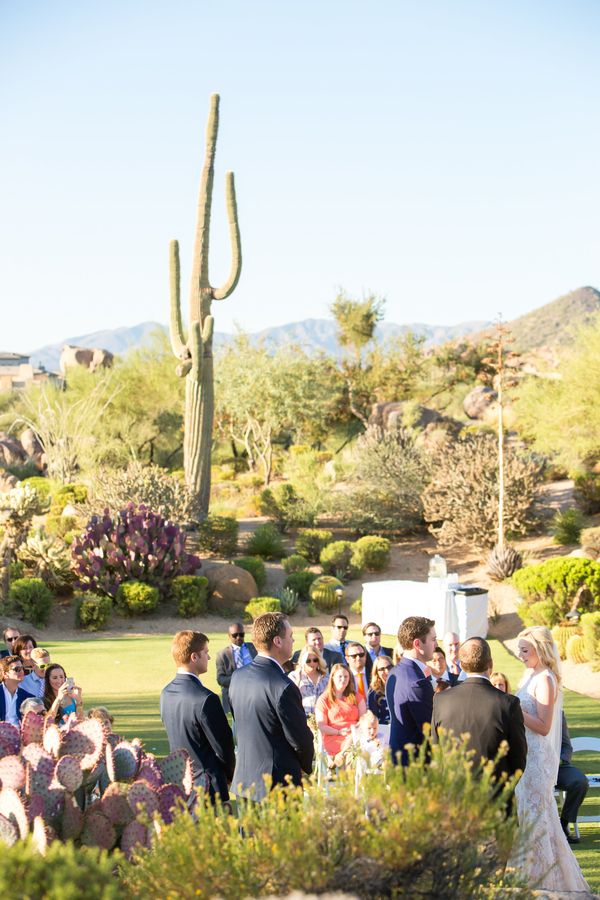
[337, 710]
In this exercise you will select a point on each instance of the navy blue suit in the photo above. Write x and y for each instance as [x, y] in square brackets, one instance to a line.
[272, 734]
[409, 697]
[21, 696]
[194, 720]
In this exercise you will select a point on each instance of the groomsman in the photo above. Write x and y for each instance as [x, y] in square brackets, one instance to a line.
[339, 630]
[372, 634]
[238, 654]
[408, 691]
[355, 656]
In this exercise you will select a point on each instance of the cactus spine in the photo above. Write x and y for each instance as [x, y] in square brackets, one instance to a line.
[195, 353]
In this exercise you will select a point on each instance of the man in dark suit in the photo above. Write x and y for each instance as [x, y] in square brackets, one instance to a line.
[573, 782]
[314, 639]
[194, 719]
[339, 632]
[408, 691]
[273, 737]
[10, 635]
[238, 654]
[12, 694]
[372, 635]
[488, 715]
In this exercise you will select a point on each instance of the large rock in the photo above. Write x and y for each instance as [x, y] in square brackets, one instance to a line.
[87, 357]
[11, 451]
[7, 481]
[230, 589]
[31, 445]
[478, 401]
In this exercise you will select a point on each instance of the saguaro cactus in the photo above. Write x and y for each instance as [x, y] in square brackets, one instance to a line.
[195, 353]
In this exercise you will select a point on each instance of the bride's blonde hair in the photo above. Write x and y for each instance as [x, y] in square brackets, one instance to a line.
[542, 642]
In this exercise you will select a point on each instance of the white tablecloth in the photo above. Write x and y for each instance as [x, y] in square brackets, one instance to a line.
[389, 602]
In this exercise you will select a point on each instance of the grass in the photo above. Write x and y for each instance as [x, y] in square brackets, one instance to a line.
[127, 675]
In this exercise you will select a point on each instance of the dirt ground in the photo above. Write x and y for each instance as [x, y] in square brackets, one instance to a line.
[409, 562]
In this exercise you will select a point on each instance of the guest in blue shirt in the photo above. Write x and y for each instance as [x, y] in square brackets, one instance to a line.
[238, 654]
[339, 630]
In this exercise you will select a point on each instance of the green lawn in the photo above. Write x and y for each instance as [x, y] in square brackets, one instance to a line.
[127, 675]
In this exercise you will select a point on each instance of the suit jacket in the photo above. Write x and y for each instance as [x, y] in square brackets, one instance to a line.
[272, 734]
[21, 696]
[409, 696]
[489, 716]
[331, 657]
[194, 720]
[225, 668]
[383, 651]
[4, 653]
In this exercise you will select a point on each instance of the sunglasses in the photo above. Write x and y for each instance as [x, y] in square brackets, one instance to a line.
[16, 669]
[15, 637]
[372, 634]
[42, 666]
[341, 627]
[355, 655]
[384, 668]
[238, 634]
[311, 659]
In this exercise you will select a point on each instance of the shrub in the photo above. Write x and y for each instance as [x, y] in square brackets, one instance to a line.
[566, 526]
[586, 493]
[323, 592]
[64, 872]
[590, 540]
[137, 545]
[190, 593]
[42, 487]
[285, 507]
[561, 634]
[590, 626]
[295, 563]
[371, 553]
[255, 566]
[300, 583]
[288, 600]
[149, 486]
[434, 831]
[60, 525]
[554, 583]
[266, 542]
[218, 535]
[92, 613]
[261, 605]
[356, 607]
[337, 559]
[24, 471]
[311, 541]
[32, 600]
[461, 501]
[135, 598]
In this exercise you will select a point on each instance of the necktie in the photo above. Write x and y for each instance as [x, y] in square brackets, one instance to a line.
[361, 685]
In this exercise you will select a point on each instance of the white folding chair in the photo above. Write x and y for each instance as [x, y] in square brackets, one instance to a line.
[581, 745]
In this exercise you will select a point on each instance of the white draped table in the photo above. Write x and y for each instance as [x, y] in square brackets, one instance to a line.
[389, 602]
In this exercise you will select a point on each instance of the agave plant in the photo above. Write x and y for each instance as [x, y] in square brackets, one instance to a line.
[45, 556]
[503, 562]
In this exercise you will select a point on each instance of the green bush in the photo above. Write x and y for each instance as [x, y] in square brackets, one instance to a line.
[586, 493]
[371, 553]
[92, 613]
[134, 598]
[190, 593]
[566, 526]
[323, 592]
[261, 605]
[218, 535]
[24, 471]
[61, 525]
[338, 559]
[554, 583]
[311, 541]
[590, 626]
[285, 507]
[32, 600]
[430, 831]
[356, 607]
[62, 873]
[70, 493]
[266, 542]
[256, 567]
[295, 563]
[43, 488]
[300, 583]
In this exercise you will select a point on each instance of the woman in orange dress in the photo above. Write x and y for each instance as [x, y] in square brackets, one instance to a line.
[337, 710]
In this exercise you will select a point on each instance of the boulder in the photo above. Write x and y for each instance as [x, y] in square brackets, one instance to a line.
[230, 589]
[7, 481]
[31, 445]
[478, 401]
[89, 358]
[11, 451]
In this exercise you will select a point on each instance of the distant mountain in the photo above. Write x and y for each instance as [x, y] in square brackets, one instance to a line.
[310, 334]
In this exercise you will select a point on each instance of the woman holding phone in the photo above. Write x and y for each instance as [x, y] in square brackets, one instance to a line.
[61, 697]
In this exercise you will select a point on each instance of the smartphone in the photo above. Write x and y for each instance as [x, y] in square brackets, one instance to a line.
[70, 683]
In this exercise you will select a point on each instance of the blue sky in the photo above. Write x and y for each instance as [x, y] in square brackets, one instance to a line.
[441, 153]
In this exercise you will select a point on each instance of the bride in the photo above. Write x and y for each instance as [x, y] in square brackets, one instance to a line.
[546, 859]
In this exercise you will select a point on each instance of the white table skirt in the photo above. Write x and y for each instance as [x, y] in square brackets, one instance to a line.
[390, 602]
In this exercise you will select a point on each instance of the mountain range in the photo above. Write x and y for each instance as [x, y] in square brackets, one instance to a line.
[550, 324]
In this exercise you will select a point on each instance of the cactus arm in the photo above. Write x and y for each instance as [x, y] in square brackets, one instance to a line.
[176, 328]
[199, 281]
[208, 330]
[196, 348]
[234, 237]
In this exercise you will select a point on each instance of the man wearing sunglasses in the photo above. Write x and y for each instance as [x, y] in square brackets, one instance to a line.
[10, 635]
[313, 637]
[372, 635]
[12, 694]
[34, 682]
[355, 657]
[238, 654]
[339, 630]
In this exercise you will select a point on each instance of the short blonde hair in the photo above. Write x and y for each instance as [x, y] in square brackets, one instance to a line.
[185, 643]
[101, 712]
[368, 718]
[39, 653]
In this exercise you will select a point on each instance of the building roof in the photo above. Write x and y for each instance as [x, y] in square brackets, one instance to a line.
[13, 355]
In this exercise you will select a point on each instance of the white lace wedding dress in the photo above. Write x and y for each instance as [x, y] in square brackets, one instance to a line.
[543, 854]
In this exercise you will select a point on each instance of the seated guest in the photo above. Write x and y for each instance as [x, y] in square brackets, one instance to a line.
[106, 718]
[9, 635]
[313, 637]
[34, 682]
[12, 694]
[438, 666]
[500, 681]
[33, 704]
[311, 677]
[61, 697]
[338, 709]
[356, 659]
[376, 700]
[22, 647]
[339, 630]
[370, 741]
[572, 781]
[372, 635]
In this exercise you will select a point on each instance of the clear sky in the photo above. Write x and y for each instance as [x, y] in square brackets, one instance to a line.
[442, 153]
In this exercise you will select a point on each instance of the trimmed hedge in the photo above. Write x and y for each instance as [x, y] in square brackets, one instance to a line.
[261, 605]
[338, 559]
[135, 598]
[371, 553]
[190, 593]
[310, 542]
[32, 600]
[266, 542]
[91, 612]
[547, 589]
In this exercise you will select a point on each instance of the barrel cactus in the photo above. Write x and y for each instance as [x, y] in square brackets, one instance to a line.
[561, 634]
[575, 649]
[323, 592]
